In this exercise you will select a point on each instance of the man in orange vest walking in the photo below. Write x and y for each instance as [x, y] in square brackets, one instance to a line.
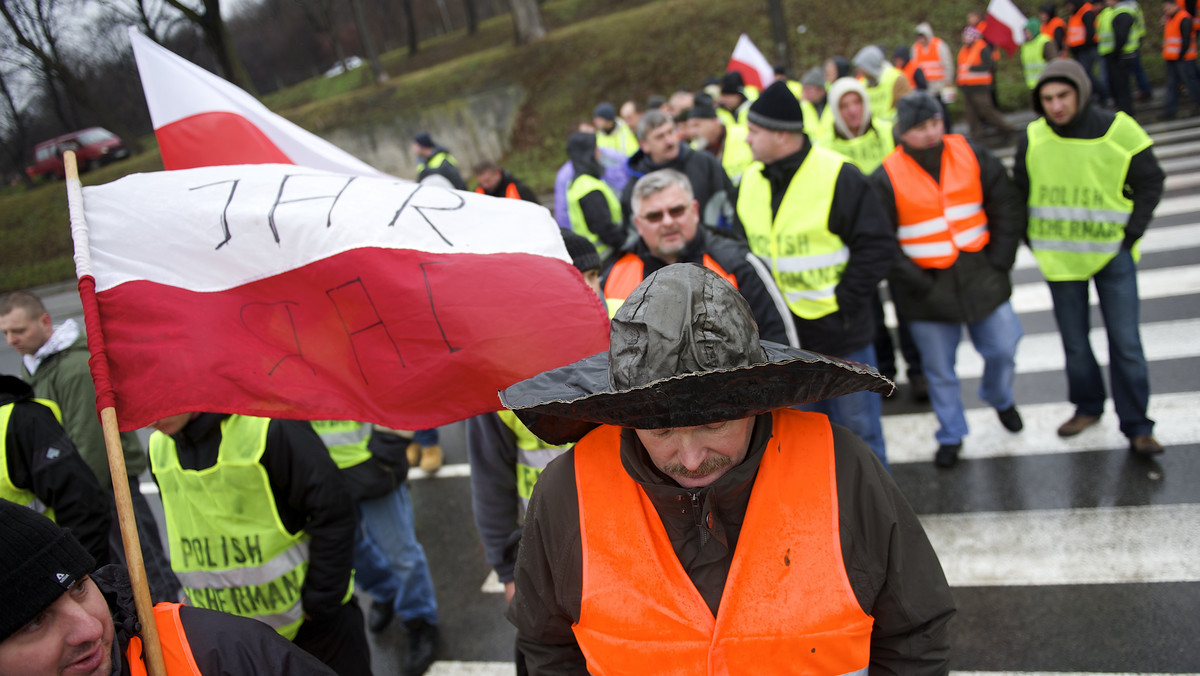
[58, 614]
[976, 82]
[1179, 56]
[710, 517]
[1083, 43]
[959, 220]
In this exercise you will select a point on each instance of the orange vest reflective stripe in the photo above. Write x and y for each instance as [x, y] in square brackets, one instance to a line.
[937, 220]
[629, 271]
[970, 56]
[1173, 39]
[177, 654]
[929, 60]
[1054, 24]
[787, 599]
[1076, 31]
[510, 192]
[910, 73]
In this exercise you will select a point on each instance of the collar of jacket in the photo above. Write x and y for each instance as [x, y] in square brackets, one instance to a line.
[929, 159]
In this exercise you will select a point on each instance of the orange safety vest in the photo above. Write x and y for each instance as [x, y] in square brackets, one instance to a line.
[1052, 25]
[510, 192]
[787, 599]
[928, 59]
[177, 654]
[1076, 31]
[937, 220]
[910, 73]
[629, 271]
[1173, 39]
[970, 56]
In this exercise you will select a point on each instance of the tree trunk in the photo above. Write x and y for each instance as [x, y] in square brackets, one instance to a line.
[216, 36]
[406, 5]
[364, 32]
[472, 21]
[783, 49]
[527, 21]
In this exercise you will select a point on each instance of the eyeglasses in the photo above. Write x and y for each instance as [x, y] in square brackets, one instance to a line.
[675, 212]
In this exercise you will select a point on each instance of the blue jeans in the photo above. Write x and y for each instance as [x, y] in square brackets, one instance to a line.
[995, 338]
[1180, 72]
[1090, 60]
[860, 412]
[389, 563]
[1116, 286]
[1139, 74]
[426, 437]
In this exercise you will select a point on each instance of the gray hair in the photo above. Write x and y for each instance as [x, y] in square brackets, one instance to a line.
[660, 180]
[653, 119]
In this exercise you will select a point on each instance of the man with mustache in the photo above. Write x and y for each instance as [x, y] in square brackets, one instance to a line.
[700, 524]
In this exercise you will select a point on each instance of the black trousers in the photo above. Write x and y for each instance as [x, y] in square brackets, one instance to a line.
[1117, 72]
[340, 641]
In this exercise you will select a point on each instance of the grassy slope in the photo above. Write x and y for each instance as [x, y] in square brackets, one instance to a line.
[596, 50]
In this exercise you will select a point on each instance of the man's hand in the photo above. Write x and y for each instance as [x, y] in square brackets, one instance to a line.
[510, 588]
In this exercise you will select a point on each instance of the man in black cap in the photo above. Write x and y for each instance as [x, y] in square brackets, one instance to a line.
[694, 487]
[725, 142]
[734, 99]
[435, 164]
[611, 131]
[57, 616]
[813, 217]
[959, 220]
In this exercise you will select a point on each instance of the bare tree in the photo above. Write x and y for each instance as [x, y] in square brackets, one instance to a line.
[368, 44]
[151, 16]
[411, 24]
[472, 19]
[527, 21]
[15, 134]
[207, 17]
[323, 16]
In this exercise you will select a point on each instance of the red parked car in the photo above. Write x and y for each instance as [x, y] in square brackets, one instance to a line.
[94, 147]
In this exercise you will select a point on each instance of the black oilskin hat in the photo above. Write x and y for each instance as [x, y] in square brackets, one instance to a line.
[684, 351]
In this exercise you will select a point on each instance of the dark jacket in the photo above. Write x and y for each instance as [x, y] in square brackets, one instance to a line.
[892, 569]
[446, 169]
[710, 183]
[310, 494]
[221, 643]
[581, 151]
[42, 459]
[857, 217]
[978, 282]
[381, 473]
[1144, 179]
[506, 179]
[753, 276]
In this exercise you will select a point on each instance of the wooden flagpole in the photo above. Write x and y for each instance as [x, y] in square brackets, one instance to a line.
[151, 649]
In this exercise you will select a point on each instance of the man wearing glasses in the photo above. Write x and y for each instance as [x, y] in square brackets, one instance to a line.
[667, 217]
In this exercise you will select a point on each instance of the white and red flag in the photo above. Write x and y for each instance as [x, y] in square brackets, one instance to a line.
[1005, 25]
[755, 69]
[202, 120]
[283, 291]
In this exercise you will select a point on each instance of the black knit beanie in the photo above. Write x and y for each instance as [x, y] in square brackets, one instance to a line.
[913, 110]
[777, 109]
[38, 563]
[583, 252]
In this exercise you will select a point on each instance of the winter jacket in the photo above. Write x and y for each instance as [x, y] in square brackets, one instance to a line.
[892, 569]
[857, 217]
[710, 184]
[220, 643]
[753, 277]
[506, 183]
[978, 282]
[442, 163]
[65, 378]
[43, 461]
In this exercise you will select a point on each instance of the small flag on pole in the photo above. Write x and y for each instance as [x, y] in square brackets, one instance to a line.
[1005, 25]
[755, 69]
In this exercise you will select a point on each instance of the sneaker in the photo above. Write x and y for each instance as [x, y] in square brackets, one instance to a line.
[414, 454]
[1145, 444]
[431, 458]
[1011, 419]
[422, 647]
[1078, 423]
[947, 455]
[380, 615]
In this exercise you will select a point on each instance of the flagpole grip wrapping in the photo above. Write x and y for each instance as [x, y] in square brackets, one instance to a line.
[152, 650]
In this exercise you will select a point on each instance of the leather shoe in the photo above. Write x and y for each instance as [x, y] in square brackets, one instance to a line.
[414, 454]
[1145, 444]
[422, 647]
[1011, 419]
[431, 458]
[380, 615]
[947, 455]
[1078, 423]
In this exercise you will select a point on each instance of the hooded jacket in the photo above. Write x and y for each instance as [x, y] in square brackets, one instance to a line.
[910, 603]
[710, 183]
[581, 152]
[1143, 180]
[978, 281]
[220, 643]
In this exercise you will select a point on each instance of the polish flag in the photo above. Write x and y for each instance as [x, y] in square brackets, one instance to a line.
[203, 120]
[282, 291]
[755, 69]
[1005, 25]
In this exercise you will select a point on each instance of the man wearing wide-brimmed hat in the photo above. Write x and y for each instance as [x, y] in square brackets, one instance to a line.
[693, 489]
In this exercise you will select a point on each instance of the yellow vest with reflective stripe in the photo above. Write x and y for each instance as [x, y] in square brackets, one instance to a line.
[436, 160]
[9, 490]
[621, 138]
[1107, 38]
[346, 441]
[1033, 59]
[806, 259]
[229, 547]
[867, 151]
[1077, 207]
[880, 95]
[736, 155]
[533, 455]
[580, 187]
